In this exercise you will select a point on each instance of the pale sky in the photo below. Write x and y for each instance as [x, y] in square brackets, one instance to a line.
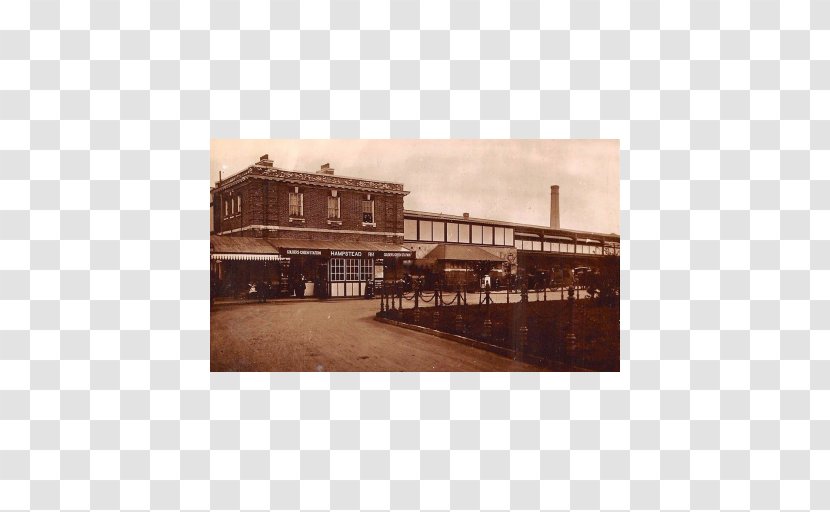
[494, 179]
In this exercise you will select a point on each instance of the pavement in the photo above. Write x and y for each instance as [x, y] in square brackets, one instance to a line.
[334, 335]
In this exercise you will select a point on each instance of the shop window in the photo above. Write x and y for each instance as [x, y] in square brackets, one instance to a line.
[425, 231]
[452, 232]
[464, 233]
[410, 229]
[333, 207]
[368, 210]
[477, 234]
[499, 237]
[352, 269]
[337, 269]
[295, 203]
[367, 268]
[488, 235]
[508, 236]
[437, 231]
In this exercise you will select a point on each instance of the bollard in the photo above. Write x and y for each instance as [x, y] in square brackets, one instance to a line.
[399, 286]
[436, 319]
[459, 323]
[382, 293]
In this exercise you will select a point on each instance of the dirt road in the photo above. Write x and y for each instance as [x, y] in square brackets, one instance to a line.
[331, 336]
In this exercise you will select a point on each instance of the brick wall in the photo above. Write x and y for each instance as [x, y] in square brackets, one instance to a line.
[265, 202]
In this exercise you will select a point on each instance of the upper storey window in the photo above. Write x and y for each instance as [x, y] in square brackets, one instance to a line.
[295, 203]
[368, 208]
[333, 206]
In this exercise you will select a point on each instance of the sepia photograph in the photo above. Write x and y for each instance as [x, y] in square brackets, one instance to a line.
[415, 255]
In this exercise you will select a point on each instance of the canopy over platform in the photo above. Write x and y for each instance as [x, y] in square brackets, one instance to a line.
[451, 252]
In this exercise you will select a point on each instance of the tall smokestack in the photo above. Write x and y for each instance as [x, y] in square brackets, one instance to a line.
[554, 206]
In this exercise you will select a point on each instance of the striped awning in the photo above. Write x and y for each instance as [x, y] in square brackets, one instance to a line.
[247, 257]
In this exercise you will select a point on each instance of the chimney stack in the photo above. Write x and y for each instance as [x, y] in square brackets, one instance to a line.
[466, 215]
[554, 206]
[326, 169]
[264, 161]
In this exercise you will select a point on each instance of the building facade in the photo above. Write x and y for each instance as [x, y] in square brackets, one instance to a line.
[460, 249]
[335, 233]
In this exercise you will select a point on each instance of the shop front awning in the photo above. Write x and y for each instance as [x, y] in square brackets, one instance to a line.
[452, 252]
[239, 248]
[246, 257]
[339, 249]
[224, 247]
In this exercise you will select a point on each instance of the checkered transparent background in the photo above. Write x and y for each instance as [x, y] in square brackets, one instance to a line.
[723, 112]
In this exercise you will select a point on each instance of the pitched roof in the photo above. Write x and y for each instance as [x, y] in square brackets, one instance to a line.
[454, 252]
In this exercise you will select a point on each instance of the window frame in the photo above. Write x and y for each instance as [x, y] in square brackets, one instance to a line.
[498, 234]
[364, 212]
[452, 232]
[422, 231]
[465, 229]
[295, 211]
[473, 229]
[410, 221]
[441, 231]
[487, 232]
[337, 270]
[333, 207]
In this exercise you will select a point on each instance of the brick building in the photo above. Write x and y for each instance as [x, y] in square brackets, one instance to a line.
[334, 232]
